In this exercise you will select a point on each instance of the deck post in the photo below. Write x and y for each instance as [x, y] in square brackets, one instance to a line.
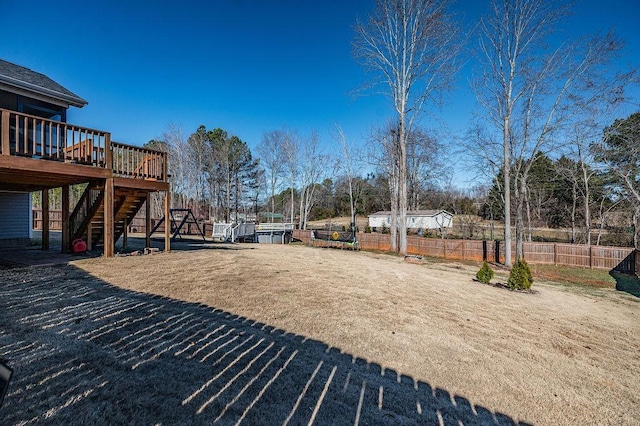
[45, 219]
[108, 155]
[147, 217]
[89, 236]
[4, 137]
[65, 220]
[167, 221]
[109, 243]
[125, 234]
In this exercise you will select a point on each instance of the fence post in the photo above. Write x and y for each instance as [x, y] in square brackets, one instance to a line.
[484, 250]
[555, 254]
[590, 257]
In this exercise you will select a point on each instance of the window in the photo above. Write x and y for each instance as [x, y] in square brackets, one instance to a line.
[35, 137]
[41, 109]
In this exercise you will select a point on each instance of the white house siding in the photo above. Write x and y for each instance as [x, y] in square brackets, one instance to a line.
[434, 221]
[15, 222]
[379, 221]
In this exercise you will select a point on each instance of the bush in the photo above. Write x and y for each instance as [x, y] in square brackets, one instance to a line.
[520, 277]
[384, 229]
[367, 229]
[485, 273]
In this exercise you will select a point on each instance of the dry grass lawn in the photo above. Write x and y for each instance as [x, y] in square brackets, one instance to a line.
[555, 356]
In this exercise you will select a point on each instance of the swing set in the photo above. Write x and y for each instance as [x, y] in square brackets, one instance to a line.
[186, 218]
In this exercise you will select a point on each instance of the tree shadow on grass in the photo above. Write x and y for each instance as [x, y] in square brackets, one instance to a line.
[86, 352]
[187, 243]
[627, 283]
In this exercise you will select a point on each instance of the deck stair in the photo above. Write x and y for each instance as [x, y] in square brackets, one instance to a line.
[88, 215]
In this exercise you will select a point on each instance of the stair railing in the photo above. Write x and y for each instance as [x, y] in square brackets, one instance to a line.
[83, 211]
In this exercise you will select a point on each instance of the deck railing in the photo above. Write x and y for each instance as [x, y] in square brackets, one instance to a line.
[139, 163]
[84, 209]
[274, 227]
[36, 137]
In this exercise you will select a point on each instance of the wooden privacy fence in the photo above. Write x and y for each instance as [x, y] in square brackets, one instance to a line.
[621, 259]
[55, 219]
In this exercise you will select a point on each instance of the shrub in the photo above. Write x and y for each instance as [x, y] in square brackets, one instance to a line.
[520, 277]
[384, 229]
[367, 230]
[485, 273]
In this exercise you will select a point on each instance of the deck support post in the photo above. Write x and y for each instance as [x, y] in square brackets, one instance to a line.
[45, 219]
[4, 136]
[89, 236]
[167, 221]
[125, 234]
[147, 217]
[109, 243]
[66, 232]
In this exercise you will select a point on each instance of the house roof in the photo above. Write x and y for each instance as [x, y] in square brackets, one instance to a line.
[14, 76]
[414, 213]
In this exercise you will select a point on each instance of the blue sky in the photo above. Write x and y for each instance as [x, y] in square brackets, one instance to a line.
[247, 66]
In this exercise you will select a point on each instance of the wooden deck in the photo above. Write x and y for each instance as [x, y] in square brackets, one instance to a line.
[37, 154]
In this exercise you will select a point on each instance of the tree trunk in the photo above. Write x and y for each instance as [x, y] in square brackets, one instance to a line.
[292, 199]
[351, 204]
[507, 194]
[394, 210]
[227, 210]
[573, 214]
[301, 224]
[528, 217]
[587, 211]
[402, 188]
[636, 237]
[394, 225]
[520, 194]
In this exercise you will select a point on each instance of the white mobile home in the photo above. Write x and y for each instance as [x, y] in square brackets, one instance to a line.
[420, 219]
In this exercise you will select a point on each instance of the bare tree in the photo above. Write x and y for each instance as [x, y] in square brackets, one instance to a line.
[411, 46]
[199, 154]
[271, 154]
[179, 164]
[348, 165]
[570, 171]
[312, 168]
[290, 151]
[383, 155]
[531, 91]
[425, 164]
[584, 171]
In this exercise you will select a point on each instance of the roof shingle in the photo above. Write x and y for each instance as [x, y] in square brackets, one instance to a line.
[26, 79]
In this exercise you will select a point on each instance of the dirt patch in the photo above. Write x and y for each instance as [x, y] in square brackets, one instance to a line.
[407, 338]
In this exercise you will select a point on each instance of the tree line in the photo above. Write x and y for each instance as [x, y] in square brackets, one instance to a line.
[290, 178]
